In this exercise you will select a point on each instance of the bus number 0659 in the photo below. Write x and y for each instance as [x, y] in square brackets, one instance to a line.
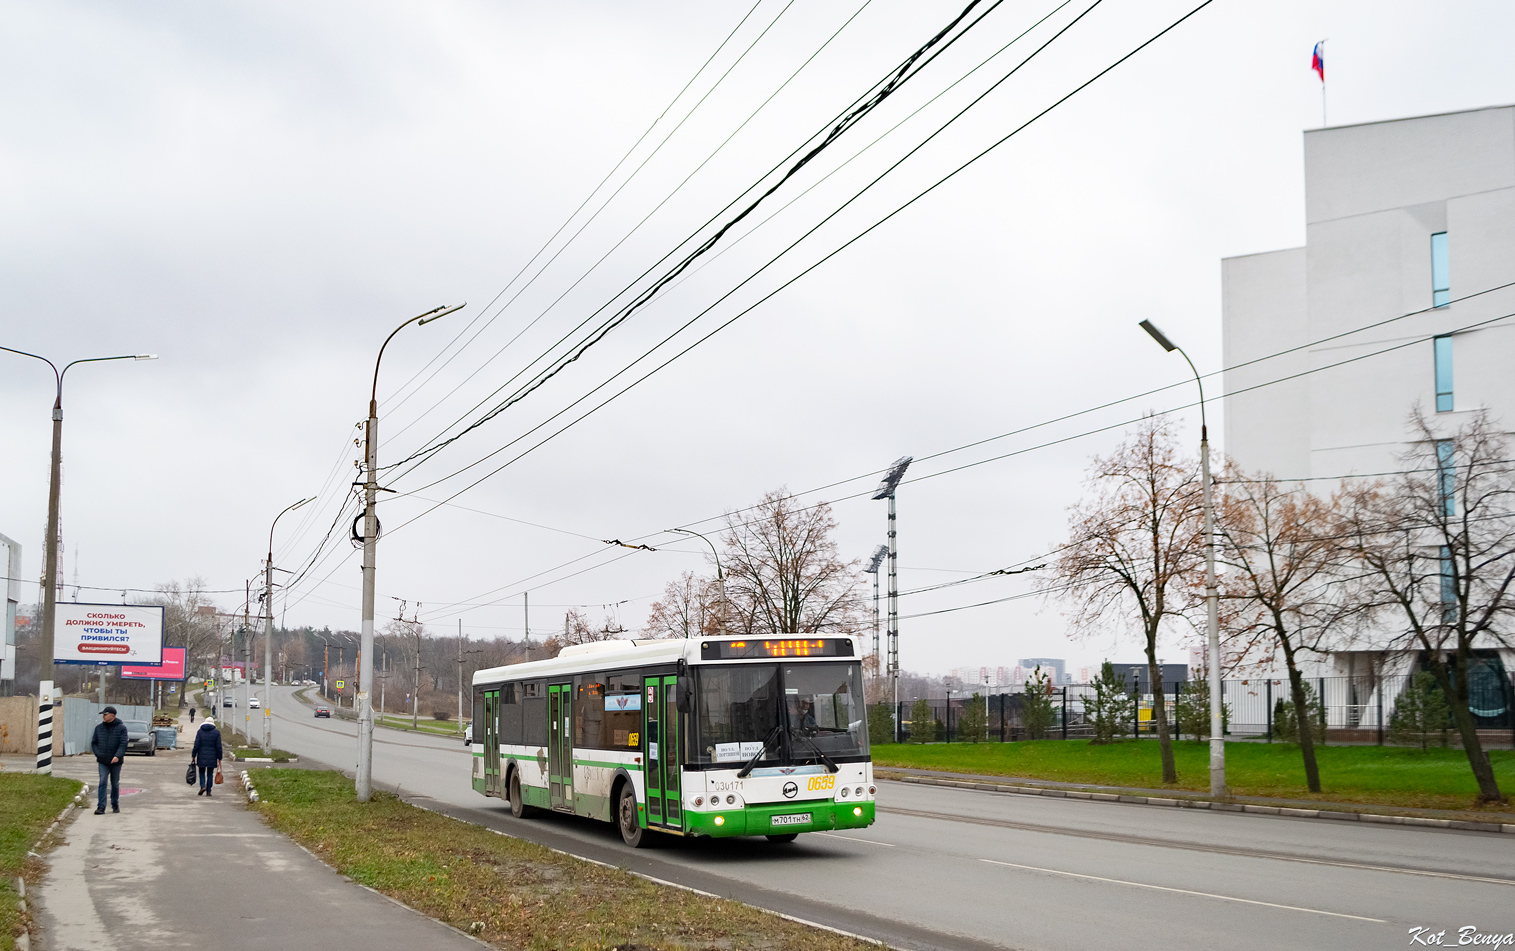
[821, 782]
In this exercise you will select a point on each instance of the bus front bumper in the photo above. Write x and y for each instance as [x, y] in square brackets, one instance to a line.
[824, 816]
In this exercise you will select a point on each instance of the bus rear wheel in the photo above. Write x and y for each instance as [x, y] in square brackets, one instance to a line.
[784, 837]
[518, 807]
[632, 832]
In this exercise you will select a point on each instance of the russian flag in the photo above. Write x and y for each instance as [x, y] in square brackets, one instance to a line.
[1318, 60]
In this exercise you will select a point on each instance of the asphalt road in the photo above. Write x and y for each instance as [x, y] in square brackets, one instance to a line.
[948, 868]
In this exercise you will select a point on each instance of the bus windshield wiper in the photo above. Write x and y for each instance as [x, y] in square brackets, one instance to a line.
[830, 766]
[772, 735]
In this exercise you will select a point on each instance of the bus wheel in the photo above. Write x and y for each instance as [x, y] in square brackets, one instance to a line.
[632, 832]
[784, 837]
[518, 807]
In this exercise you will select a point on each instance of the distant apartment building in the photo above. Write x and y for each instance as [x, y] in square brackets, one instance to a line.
[1412, 216]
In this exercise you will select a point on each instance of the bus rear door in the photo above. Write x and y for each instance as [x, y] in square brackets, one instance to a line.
[491, 738]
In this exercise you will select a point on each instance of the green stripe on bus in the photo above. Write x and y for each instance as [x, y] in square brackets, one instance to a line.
[592, 762]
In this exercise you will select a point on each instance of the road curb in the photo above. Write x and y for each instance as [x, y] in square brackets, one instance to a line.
[1460, 825]
[23, 941]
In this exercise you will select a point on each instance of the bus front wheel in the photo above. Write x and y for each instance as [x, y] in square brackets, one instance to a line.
[632, 832]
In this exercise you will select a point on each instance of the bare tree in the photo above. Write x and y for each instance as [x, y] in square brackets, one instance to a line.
[689, 607]
[784, 574]
[576, 630]
[1436, 549]
[189, 621]
[1279, 592]
[1132, 544]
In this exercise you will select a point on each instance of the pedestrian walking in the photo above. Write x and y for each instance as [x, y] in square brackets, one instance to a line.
[191, 716]
[109, 746]
[206, 754]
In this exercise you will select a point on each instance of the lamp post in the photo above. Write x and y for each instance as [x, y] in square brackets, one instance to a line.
[720, 576]
[50, 556]
[886, 491]
[1212, 592]
[364, 781]
[268, 632]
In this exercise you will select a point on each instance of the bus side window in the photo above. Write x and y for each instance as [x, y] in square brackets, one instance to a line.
[510, 715]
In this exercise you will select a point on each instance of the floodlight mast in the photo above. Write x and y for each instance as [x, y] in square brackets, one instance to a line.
[886, 491]
[874, 560]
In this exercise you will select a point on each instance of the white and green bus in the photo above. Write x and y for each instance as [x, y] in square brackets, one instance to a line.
[716, 736]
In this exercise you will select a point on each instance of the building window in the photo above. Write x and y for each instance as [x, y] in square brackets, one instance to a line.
[1448, 587]
[1441, 283]
[1446, 475]
[1443, 374]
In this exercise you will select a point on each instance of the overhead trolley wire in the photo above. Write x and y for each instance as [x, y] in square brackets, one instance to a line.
[861, 107]
[587, 199]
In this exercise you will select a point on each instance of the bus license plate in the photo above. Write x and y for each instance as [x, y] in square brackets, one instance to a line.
[803, 819]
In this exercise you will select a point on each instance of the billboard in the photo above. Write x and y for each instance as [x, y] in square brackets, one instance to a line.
[108, 634]
[172, 667]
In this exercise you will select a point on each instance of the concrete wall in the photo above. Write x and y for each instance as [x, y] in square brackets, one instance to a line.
[18, 725]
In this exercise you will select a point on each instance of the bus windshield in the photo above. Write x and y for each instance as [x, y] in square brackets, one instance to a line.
[738, 713]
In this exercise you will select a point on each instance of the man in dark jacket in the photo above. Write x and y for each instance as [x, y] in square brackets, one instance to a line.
[109, 746]
[206, 754]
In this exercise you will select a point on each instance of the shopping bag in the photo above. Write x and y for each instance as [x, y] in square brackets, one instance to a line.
[189, 775]
[218, 778]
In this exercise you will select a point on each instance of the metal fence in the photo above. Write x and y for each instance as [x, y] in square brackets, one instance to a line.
[1354, 710]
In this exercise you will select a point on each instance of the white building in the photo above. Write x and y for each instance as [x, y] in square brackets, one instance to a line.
[1409, 216]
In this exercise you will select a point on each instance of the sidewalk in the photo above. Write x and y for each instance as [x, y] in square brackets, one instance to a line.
[174, 870]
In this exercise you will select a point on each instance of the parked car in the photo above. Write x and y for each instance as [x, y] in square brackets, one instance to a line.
[323, 712]
[253, 703]
[140, 738]
[468, 735]
[226, 702]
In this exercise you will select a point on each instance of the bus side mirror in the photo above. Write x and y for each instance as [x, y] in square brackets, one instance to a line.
[683, 694]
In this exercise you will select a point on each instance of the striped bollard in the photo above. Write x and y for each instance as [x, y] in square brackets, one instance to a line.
[45, 727]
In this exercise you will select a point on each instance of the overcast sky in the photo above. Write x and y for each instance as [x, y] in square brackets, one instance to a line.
[260, 192]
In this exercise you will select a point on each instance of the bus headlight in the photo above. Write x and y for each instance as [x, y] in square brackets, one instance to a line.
[857, 810]
[730, 800]
[720, 820]
[844, 792]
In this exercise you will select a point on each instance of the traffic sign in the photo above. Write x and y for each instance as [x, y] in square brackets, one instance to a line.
[341, 684]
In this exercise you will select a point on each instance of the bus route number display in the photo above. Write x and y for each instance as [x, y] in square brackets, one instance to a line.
[757, 648]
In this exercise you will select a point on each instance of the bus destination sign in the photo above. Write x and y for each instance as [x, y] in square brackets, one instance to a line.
[757, 648]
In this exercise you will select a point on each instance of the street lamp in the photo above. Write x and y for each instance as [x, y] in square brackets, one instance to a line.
[885, 490]
[50, 557]
[364, 782]
[268, 632]
[720, 577]
[1212, 593]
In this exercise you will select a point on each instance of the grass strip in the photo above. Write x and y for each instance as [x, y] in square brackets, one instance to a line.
[243, 752]
[439, 727]
[28, 804]
[526, 895]
[1382, 775]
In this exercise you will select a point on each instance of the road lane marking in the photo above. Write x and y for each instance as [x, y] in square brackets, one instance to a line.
[1191, 846]
[848, 838]
[1185, 891]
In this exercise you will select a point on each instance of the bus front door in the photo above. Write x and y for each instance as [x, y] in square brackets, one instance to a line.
[660, 725]
[560, 745]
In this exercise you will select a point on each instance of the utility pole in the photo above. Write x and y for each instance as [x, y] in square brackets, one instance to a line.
[364, 779]
[460, 675]
[415, 696]
[886, 491]
[50, 559]
[268, 632]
